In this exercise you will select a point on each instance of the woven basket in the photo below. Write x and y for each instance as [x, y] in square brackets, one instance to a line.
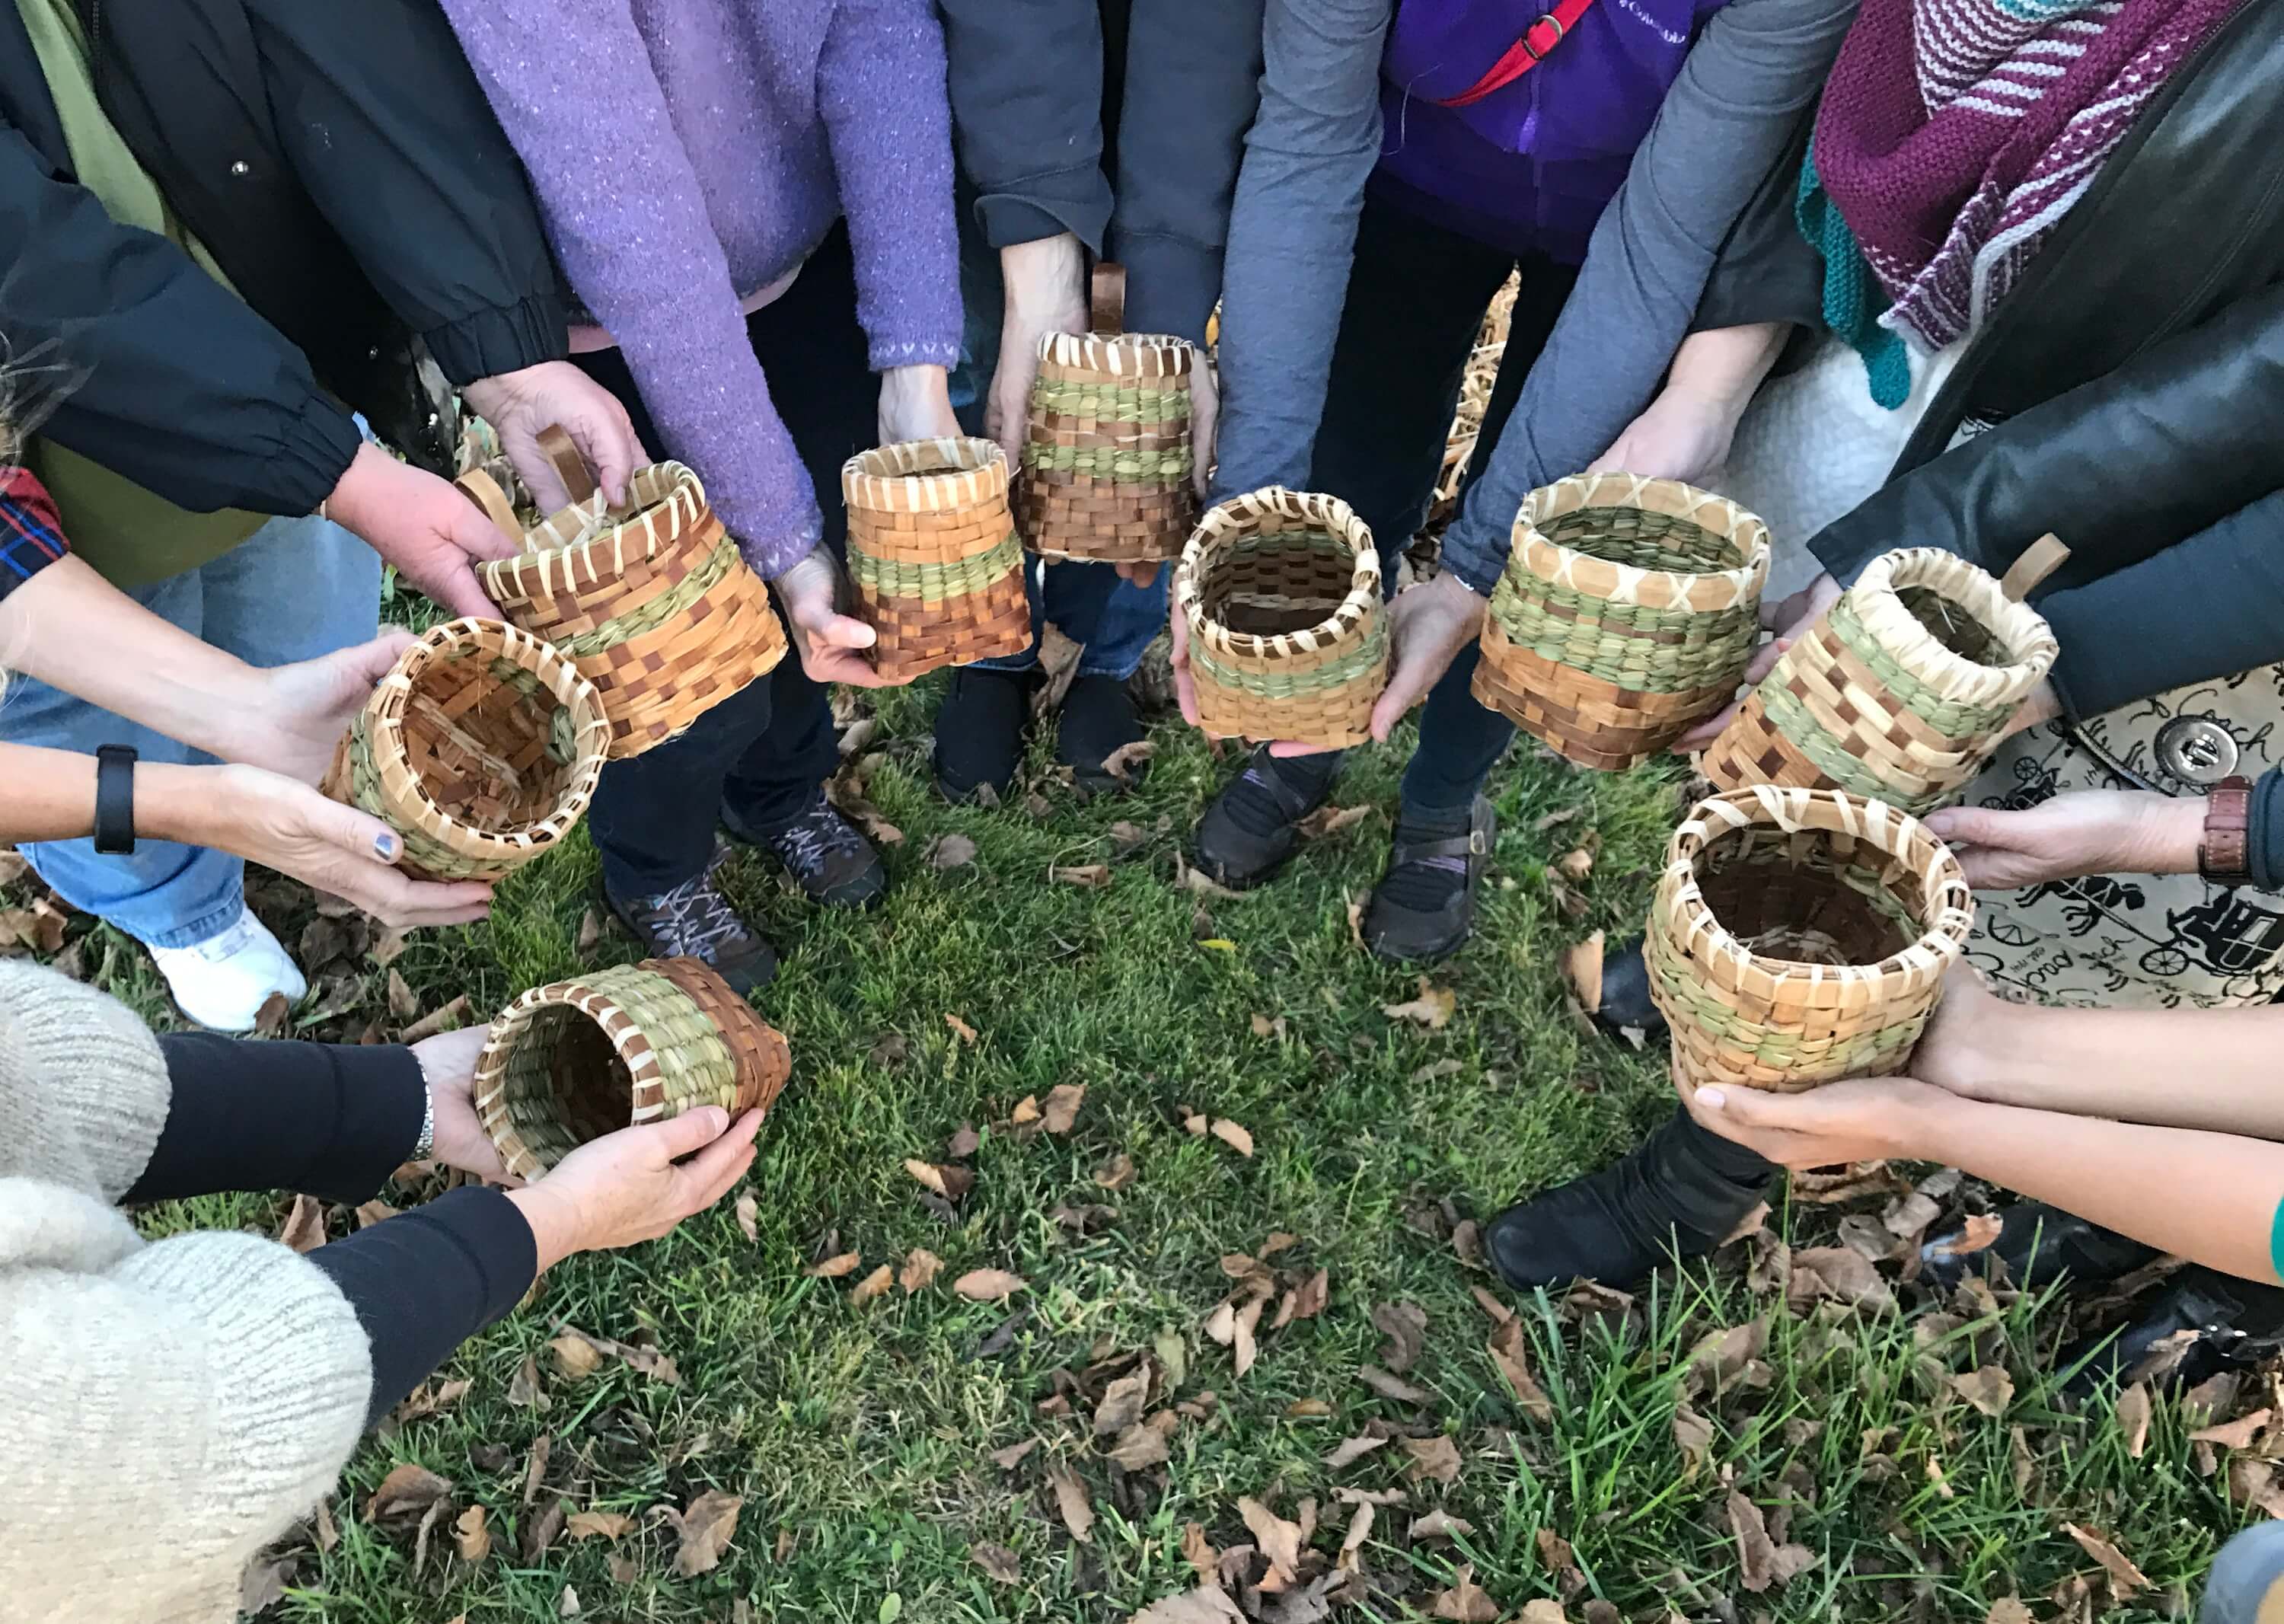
[939, 570]
[652, 603]
[1626, 615]
[1900, 692]
[480, 749]
[1288, 639]
[1801, 936]
[1108, 463]
[573, 1061]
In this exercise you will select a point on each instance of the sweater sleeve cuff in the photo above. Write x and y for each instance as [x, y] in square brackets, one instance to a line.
[1074, 201]
[1172, 286]
[502, 340]
[1477, 562]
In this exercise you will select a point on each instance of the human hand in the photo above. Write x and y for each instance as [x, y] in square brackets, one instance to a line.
[448, 1063]
[1682, 435]
[633, 1185]
[556, 394]
[1205, 422]
[1428, 627]
[1790, 619]
[293, 716]
[1867, 1120]
[1045, 293]
[2079, 833]
[429, 531]
[830, 644]
[2042, 703]
[916, 404]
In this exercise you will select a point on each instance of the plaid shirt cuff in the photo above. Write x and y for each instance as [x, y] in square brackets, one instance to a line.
[31, 535]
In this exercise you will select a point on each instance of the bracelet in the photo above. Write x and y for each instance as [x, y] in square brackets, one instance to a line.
[425, 1144]
[114, 800]
[2225, 854]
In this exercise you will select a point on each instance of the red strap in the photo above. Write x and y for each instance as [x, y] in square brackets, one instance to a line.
[1525, 54]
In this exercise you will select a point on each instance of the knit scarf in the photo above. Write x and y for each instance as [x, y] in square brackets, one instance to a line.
[1955, 134]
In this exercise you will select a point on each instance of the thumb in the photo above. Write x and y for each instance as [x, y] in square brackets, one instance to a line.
[1765, 659]
[842, 632]
[475, 534]
[454, 585]
[1971, 825]
[366, 663]
[611, 450]
[691, 1131]
[1744, 1107]
[1406, 687]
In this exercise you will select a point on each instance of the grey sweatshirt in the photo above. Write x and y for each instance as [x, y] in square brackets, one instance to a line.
[1730, 115]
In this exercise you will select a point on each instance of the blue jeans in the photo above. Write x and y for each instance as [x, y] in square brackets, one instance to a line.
[1091, 602]
[294, 589]
[2247, 1582]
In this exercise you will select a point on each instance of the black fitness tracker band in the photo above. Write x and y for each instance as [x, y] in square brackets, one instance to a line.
[114, 800]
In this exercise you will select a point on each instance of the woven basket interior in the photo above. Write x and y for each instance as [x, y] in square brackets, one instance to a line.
[564, 1058]
[489, 745]
[1645, 539]
[1813, 897]
[1276, 582]
[1954, 626]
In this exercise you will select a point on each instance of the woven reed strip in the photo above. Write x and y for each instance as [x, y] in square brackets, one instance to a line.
[1870, 699]
[1107, 457]
[632, 1043]
[934, 511]
[654, 603]
[1753, 873]
[1279, 591]
[480, 748]
[1626, 615]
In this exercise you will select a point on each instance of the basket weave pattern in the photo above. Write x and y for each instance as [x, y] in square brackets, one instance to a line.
[1626, 615]
[934, 551]
[1900, 692]
[1107, 461]
[1279, 591]
[652, 603]
[480, 749]
[572, 1061]
[1798, 937]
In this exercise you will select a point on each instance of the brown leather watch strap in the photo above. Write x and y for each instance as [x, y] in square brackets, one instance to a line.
[2225, 854]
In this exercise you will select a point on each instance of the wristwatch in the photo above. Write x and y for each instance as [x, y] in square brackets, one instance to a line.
[2225, 853]
[114, 800]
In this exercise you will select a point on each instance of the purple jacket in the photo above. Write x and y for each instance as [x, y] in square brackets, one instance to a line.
[689, 152]
[1530, 167]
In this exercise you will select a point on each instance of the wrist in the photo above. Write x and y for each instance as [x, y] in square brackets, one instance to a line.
[1925, 1123]
[2164, 836]
[1044, 285]
[191, 806]
[351, 504]
[553, 1222]
[1720, 368]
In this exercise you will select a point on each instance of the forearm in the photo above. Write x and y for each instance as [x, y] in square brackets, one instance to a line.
[1045, 284]
[1026, 84]
[2213, 1070]
[2209, 1196]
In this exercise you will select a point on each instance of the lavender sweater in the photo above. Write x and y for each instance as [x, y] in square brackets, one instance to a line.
[689, 152]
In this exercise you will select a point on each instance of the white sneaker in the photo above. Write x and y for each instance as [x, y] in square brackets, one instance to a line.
[222, 983]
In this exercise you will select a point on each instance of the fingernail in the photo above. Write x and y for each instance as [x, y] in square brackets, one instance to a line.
[384, 846]
[1712, 1100]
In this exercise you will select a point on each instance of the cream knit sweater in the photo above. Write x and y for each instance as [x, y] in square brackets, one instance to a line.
[167, 1409]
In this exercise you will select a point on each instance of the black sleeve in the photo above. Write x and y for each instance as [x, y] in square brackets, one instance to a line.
[2265, 848]
[424, 1281]
[332, 1120]
[1025, 80]
[179, 386]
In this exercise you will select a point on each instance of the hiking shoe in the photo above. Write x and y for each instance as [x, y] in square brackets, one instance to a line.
[1660, 1199]
[979, 731]
[694, 920]
[1424, 906]
[2226, 1322]
[1252, 827]
[222, 983]
[825, 854]
[2038, 1244]
[1098, 720]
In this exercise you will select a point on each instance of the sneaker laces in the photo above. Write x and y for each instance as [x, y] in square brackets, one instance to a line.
[814, 836]
[694, 918]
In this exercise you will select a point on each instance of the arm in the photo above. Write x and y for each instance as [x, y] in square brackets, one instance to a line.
[1026, 89]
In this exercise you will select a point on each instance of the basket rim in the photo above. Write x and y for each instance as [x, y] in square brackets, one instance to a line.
[1681, 900]
[885, 478]
[2021, 630]
[681, 508]
[1176, 355]
[1707, 590]
[1232, 516]
[591, 736]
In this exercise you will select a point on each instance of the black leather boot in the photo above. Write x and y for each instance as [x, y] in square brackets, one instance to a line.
[1625, 992]
[2040, 1245]
[1677, 1194]
[2235, 1323]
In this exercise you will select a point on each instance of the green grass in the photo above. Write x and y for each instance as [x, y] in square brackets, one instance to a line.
[859, 1436]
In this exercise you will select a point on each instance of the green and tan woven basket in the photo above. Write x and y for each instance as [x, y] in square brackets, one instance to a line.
[1798, 937]
[651, 601]
[1902, 691]
[570, 1062]
[1626, 615]
[1279, 594]
[938, 566]
[480, 748]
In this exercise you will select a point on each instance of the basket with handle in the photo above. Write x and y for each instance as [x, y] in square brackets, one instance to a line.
[1903, 689]
[938, 568]
[1798, 937]
[1107, 460]
[480, 748]
[1626, 615]
[651, 601]
[574, 1060]
[1279, 592]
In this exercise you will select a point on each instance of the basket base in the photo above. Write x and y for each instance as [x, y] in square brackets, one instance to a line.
[1583, 718]
[1106, 524]
[917, 635]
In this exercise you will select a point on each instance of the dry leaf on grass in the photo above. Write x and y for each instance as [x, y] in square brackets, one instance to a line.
[749, 1214]
[540, 1532]
[567, 1604]
[1389, 1386]
[2125, 1578]
[1011, 1456]
[2237, 1434]
[1465, 1601]
[1307, 1299]
[305, 1224]
[1404, 1325]
[1073, 1501]
[1543, 1611]
[598, 1525]
[872, 1285]
[1121, 763]
[1123, 1401]
[1199, 1551]
[950, 1181]
[470, 1536]
[1263, 1026]
[1761, 1561]
[1061, 1112]
[1436, 1457]
[1115, 1173]
[1438, 1524]
[998, 1561]
[1693, 1436]
[451, 1017]
[1510, 1353]
[1989, 1389]
[406, 1491]
[2131, 1411]
[1353, 1449]
[1092, 875]
[263, 1586]
[1432, 1009]
[1206, 1604]
[1976, 1234]
[1582, 969]
[1841, 1274]
[987, 1285]
[843, 1264]
[1329, 819]
[1027, 1111]
[1148, 1443]
[2009, 1609]
[951, 851]
[575, 1357]
[961, 1030]
[1232, 1136]
[404, 1005]
[1277, 1539]
[1243, 1345]
[706, 1528]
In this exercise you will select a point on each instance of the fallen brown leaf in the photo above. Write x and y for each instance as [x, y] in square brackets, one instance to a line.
[2008, 1610]
[947, 1180]
[1432, 1009]
[1206, 1604]
[576, 1358]
[919, 1271]
[1243, 1345]
[987, 1285]
[2237, 1434]
[1436, 1457]
[263, 1586]
[1543, 1611]
[1389, 1386]
[843, 1264]
[305, 1224]
[1438, 1524]
[1353, 1449]
[1121, 763]
[404, 1005]
[407, 1490]
[1404, 1325]
[1693, 1435]
[951, 851]
[1092, 875]
[1465, 1601]
[1146, 1445]
[1073, 1501]
[1279, 1539]
[2125, 1579]
[1123, 1401]
[748, 1213]
[1976, 1234]
[1510, 1353]
[1199, 1551]
[706, 1528]
[427, 1400]
[1232, 1136]
[1061, 1112]
[1329, 820]
[2131, 1411]
[872, 1285]
[998, 1561]
[470, 1537]
[961, 1030]
[1989, 1389]
[1115, 1173]
[1011, 1456]
[598, 1525]
[1839, 1273]
[1263, 1026]
[1582, 969]
[1309, 1298]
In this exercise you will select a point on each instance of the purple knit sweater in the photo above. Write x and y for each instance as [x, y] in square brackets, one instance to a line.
[688, 152]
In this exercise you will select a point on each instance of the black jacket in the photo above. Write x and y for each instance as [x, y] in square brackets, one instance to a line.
[2132, 383]
[342, 165]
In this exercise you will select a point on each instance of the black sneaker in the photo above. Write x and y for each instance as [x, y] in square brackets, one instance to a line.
[2230, 1324]
[2038, 1244]
[1660, 1200]
[1251, 829]
[825, 853]
[694, 920]
[1098, 720]
[1424, 906]
[1625, 993]
[979, 730]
